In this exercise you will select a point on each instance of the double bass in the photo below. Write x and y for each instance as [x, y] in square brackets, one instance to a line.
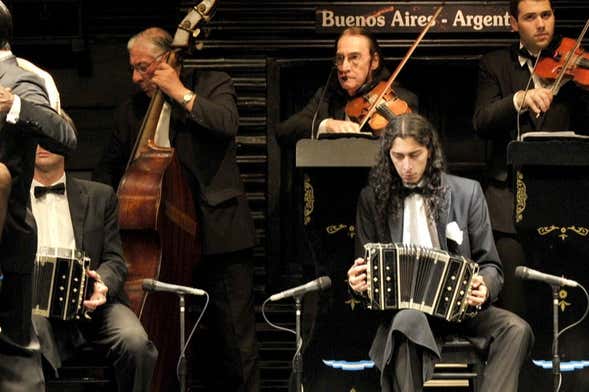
[158, 222]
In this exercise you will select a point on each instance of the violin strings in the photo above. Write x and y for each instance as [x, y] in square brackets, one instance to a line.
[570, 56]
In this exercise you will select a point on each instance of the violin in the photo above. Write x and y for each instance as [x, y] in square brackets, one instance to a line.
[390, 107]
[568, 61]
[381, 104]
[550, 67]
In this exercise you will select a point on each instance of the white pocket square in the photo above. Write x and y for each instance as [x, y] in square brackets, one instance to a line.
[454, 233]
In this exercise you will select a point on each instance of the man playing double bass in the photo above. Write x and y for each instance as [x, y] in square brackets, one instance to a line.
[359, 66]
[203, 122]
[503, 76]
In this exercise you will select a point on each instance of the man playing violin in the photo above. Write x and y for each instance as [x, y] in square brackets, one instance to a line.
[503, 76]
[359, 66]
[203, 121]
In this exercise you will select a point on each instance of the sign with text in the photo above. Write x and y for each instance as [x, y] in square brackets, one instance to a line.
[409, 18]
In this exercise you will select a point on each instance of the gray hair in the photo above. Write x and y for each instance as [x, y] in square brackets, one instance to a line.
[158, 38]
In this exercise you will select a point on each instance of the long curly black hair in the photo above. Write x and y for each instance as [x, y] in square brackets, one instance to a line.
[384, 179]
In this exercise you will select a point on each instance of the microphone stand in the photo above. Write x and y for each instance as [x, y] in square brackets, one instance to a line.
[555, 356]
[298, 358]
[182, 361]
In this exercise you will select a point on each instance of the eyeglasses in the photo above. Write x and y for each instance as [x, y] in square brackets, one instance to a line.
[142, 68]
[354, 59]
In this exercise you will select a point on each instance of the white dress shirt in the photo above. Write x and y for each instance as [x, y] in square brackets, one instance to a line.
[54, 221]
[417, 228]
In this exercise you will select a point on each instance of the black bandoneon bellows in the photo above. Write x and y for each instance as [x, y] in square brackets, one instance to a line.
[59, 283]
[402, 276]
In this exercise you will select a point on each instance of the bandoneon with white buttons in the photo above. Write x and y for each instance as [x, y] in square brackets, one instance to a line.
[402, 276]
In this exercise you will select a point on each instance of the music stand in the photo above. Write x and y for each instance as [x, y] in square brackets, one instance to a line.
[551, 219]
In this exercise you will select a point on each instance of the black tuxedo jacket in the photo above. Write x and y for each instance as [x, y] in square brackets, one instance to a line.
[205, 144]
[37, 124]
[95, 220]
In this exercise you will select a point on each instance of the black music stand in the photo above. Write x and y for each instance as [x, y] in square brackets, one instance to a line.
[330, 176]
[551, 183]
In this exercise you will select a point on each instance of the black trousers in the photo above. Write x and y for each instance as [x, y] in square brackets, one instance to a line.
[20, 362]
[227, 357]
[21, 372]
[505, 337]
[115, 332]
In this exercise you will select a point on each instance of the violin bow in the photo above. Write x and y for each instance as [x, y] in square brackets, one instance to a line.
[570, 57]
[401, 65]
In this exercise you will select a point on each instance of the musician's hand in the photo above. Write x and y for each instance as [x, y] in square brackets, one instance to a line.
[357, 276]
[167, 79]
[538, 100]
[478, 293]
[6, 99]
[98, 297]
[339, 126]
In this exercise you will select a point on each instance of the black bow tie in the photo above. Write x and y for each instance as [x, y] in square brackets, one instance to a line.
[43, 190]
[408, 191]
[527, 55]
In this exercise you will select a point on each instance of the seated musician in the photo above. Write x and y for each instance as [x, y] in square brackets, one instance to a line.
[77, 214]
[410, 199]
[503, 76]
[359, 66]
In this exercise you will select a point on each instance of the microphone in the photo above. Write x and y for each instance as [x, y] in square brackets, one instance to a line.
[528, 85]
[155, 285]
[320, 283]
[321, 98]
[531, 274]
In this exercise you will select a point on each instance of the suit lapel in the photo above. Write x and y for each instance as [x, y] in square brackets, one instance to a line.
[396, 227]
[78, 203]
[520, 78]
[442, 222]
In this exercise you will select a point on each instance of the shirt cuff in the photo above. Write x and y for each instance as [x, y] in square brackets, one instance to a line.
[516, 106]
[14, 112]
[322, 127]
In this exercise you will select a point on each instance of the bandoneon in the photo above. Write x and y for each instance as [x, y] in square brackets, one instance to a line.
[59, 283]
[402, 276]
